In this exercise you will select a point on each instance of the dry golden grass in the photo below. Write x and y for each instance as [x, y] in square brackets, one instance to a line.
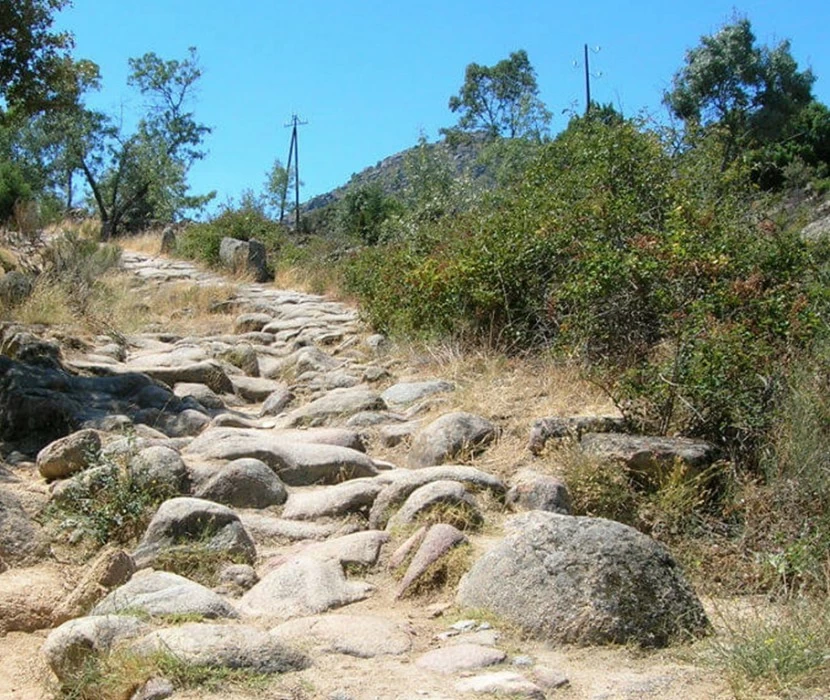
[8, 260]
[510, 391]
[147, 242]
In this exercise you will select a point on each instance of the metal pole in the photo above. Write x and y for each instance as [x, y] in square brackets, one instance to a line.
[587, 84]
[287, 176]
[296, 178]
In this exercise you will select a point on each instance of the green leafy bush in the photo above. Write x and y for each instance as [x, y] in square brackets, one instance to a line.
[13, 189]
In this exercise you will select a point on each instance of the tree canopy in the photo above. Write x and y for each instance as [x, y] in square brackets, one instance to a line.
[501, 100]
[752, 92]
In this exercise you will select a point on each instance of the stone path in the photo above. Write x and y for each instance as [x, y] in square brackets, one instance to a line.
[267, 436]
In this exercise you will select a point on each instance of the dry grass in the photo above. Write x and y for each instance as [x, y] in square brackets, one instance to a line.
[147, 242]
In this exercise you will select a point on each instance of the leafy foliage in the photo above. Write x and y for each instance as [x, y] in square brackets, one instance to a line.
[501, 100]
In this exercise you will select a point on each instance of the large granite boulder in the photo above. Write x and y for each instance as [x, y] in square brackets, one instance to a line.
[245, 257]
[579, 580]
[452, 435]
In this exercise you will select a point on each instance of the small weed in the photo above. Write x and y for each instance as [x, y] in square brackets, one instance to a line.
[779, 653]
[463, 516]
[444, 574]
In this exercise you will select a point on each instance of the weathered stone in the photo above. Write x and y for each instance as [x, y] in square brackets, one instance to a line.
[533, 491]
[338, 403]
[223, 646]
[649, 455]
[265, 527]
[168, 240]
[451, 435]
[112, 567]
[296, 463]
[162, 593]
[358, 548]
[277, 401]
[364, 636]
[438, 541]
[255, 389]
[67, 647]
[437, 494]
[201, 392]
[237, 577]
[544, 429]
[394, 435]
[69, 455]
[244, 483]
[162, 465]
[21, 539]
[246, 257]
[246, 323]
[406, 393]
[208, 372]
[243, 357]
[404, 482]
[300, 587]
[584, 581]
[333, 501]
[154, 689]
[183, 522]
[15, 287]
[508, 683]
[460, 657]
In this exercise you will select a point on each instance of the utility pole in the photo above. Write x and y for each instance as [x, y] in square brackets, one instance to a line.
[587, 83]
[293, 156]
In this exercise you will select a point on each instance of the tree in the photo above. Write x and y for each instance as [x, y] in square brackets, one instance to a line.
[139, 178]
[750, 92]
[501, 100]
[34, 60]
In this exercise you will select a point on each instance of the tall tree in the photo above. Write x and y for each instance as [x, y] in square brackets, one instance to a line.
[34, 59]
[750, 92]
[501, 100]
[142, 177]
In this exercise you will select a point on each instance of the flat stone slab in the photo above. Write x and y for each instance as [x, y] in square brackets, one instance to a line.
[364, 636]
[460, 657]
[508, 683]
[337, 403]
[296, 463]
[333, 501]
[224, 646]
[301, 587]
[646, 453]
[405, 393]
[164, 593]
[558, 427]
[255, 389]
[269, 527]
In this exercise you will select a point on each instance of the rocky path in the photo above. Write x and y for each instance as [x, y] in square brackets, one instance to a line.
[334, 517]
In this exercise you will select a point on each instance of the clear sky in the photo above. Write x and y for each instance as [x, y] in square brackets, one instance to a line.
[370, 76]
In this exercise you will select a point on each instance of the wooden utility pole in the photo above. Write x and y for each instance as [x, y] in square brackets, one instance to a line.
[293, 156]
[587, 83]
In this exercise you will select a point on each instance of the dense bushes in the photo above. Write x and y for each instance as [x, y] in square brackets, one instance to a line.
[657, 270]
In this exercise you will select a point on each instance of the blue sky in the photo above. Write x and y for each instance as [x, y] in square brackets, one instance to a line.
[371, 76]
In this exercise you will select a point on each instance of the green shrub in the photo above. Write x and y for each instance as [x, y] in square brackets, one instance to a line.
[13, 189]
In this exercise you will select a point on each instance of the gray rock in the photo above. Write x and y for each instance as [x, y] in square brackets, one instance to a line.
[207, 372]
[341, 437]
[533, 491]
[460, 657]
[438, 541]
[584, 581]
[244, 483]
[265, 527]
[243, 357]
[357, 548]
[69, 455]
[245, 323]
[377, 343]
[21, 539]
[508, 683]
[544, 429]
[185, 423]
[240, 577]
[277, 401]
[336, 404]
[364, 636]
[368, 419]
[649, 455]
[255, 389]
[333, 501]
[312, 359]
[406, 393]
[154, 689]
[449, 436]
[394, 435]
[183, 522]
[296, 463]
[160, 464]
[201, 392]
[163, 593]
[67, 647]
[404, 482]
[449, 495]
[301, 587]
[223, 646]
[245, 257]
